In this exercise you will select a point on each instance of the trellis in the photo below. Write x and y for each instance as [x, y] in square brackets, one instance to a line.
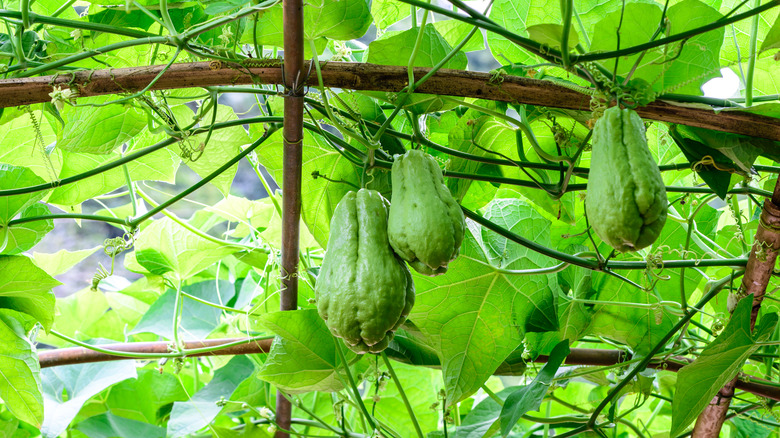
[294, 78]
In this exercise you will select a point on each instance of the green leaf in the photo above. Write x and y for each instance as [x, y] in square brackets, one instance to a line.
[108, 425]
[719, 181]
[66, 389]
[20, 387]
[198, 320]
[166, 246]
[551, 34]
[772, 39]
[27, 288]
[190, 416]
[680, 67]
[147, 397]
[513, 15]
[639, 328]
[740, 151]
[479, 299]
[61, 261]
[337, 19]
[121, 18]
[24, 145]
[395, 48]
[483, 420]
[155, 166]
[420, 386]
[12, 177]
[224, 6]
[387, 12]
[100, 129]
[22, 237]
[323, 19]
[530, 397]
[466, 135]
[718, 363]
[223, 145]
[303, 357]
[454, 31]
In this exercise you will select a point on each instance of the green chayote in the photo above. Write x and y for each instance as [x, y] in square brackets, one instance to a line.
[426, 225]
[626, 201]
[364, 291]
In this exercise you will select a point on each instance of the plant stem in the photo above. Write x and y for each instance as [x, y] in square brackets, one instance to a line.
[752, 57]
[137, 221]
[403, 395]
[714, 289]
[353, 386]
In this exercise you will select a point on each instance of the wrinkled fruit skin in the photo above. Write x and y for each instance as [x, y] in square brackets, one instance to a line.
[426, 225]
[626, 201]
[364, 291]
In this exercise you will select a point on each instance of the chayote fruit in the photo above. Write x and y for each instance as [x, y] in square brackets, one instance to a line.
[364, 291]
[626, 201]
[426, 225]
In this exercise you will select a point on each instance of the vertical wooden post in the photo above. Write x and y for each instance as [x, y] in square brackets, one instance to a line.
[291, 178]
[757, 274]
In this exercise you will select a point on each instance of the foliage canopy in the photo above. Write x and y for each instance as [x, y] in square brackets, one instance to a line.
[531, 283]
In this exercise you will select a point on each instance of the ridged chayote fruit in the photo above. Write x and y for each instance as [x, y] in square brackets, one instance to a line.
[426, 225]
[626, 201]
[364, 291]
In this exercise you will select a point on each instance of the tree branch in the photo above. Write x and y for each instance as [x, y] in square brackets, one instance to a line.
[361, 76]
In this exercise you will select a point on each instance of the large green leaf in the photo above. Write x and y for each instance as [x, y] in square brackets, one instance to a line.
[303, 356]
[196, 413]
[718, 363]
[147, 397]
[97, 129]
[480, 298]
[639, 327]
[14, 177]
[223, 145]
[67, 388]
[420, 386]
[22, 237]
[61, 261]
[680, 67]
[20, 385]
[108, 425]
[529, 398]
[197, 319]
[158, 165]
[323, 19]
[165, 246]
[23, 143]
[511, 15]
[27, 288]
[395, 48]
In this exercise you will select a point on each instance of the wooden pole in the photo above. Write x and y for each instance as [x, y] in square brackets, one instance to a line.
[292, 19]
[757, 274]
